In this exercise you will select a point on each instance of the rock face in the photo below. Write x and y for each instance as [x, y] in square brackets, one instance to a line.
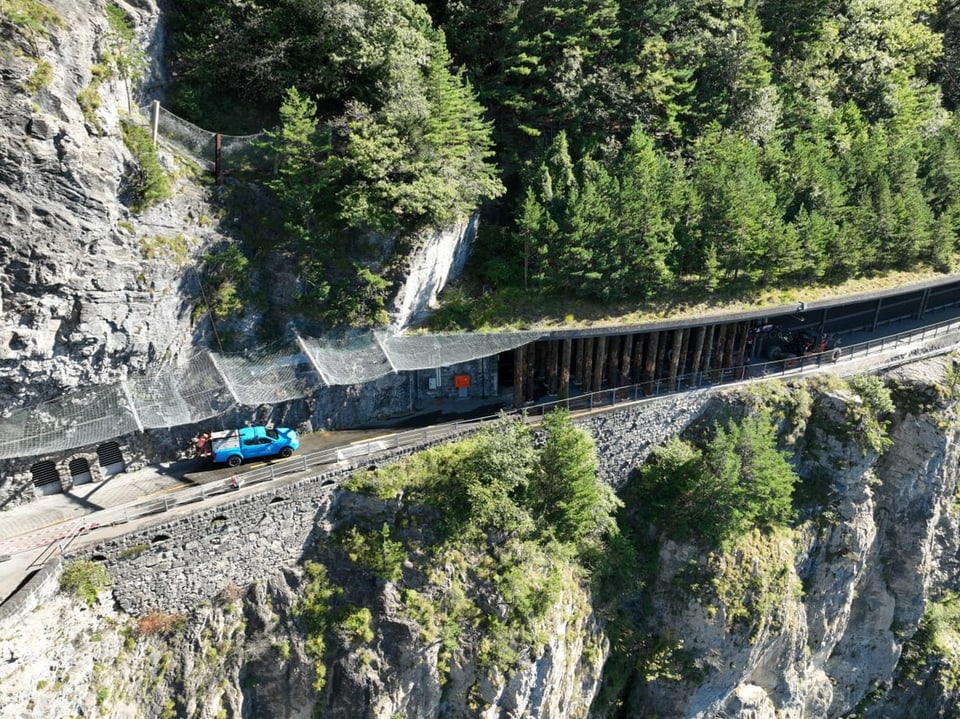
[439, 257]
[812, 622]
[90, 291]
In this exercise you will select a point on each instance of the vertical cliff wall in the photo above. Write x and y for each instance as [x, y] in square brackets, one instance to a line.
[90, 290]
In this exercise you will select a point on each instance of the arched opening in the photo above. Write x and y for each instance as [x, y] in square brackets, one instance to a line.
[160, 538]
[111, 459]
[46, 478]
[275, 500]
[80, 471]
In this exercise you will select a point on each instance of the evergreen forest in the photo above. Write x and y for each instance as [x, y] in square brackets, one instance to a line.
[617, 150]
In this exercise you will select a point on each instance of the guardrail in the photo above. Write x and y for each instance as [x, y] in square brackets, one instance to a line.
[924, 341]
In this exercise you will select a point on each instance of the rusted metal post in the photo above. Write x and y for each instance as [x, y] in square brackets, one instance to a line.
[218, 167]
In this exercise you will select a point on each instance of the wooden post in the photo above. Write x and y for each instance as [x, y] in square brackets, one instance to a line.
[684, 349]
[531, 371]
[626, 360]
[553, 349]
[650, 364]
[518, 375]
[741, 352]
[675, 355]
[726, 359]
[587, 364]
[697, 355]
[661, 353]
[721, 336]
[613, 361]
[156, 120]
[564, 390]
[708, 349]
[599, 362]
[578, 366]
[636, 371]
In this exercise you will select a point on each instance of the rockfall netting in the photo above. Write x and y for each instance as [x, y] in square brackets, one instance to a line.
[235, 150]
[210, 384]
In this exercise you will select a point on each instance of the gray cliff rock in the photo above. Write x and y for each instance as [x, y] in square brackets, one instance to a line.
[852, 581]
[88, 292]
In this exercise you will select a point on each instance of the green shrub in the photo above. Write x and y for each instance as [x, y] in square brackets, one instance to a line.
[32, 18]
[225, 285]
[174, 248]
[356, 626]
[376, 551]
[89, 101]
[739, 480]
[314, 610]
[149, 184]
[41, 76]
[85, 579]
[870, 417]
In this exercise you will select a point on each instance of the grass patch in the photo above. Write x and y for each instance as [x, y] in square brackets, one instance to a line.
[32, 19]
[41, 76]
[85, 579]
[158, 247]
[480, 307]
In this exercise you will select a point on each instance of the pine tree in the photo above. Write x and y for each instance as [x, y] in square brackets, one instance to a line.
[644, 235]
[565, 491]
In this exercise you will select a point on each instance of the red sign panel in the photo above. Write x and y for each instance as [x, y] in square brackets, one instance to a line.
[461, 381]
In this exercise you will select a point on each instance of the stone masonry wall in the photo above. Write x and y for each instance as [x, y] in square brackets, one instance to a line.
[173, 566]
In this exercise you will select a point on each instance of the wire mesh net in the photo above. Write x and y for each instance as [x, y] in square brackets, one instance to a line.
[413, 352]
[210, 384]
[201, 144]
[352, 357]
[83, 418]
[268, 378]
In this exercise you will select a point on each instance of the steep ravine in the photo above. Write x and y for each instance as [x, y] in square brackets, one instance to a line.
[806, 621]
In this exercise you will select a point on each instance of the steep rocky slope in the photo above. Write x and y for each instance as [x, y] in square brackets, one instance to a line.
[90, 290]
[818, 619]
[812, 620]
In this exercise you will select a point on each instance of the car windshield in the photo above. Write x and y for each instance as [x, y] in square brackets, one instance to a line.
[272, 433]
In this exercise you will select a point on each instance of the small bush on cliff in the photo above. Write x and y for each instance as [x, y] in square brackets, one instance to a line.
[149, 184]
[934, 650]
[869, 417]
[314, 610]
[32, 18]
[376, 551]
[224, 283]
[85, 579]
